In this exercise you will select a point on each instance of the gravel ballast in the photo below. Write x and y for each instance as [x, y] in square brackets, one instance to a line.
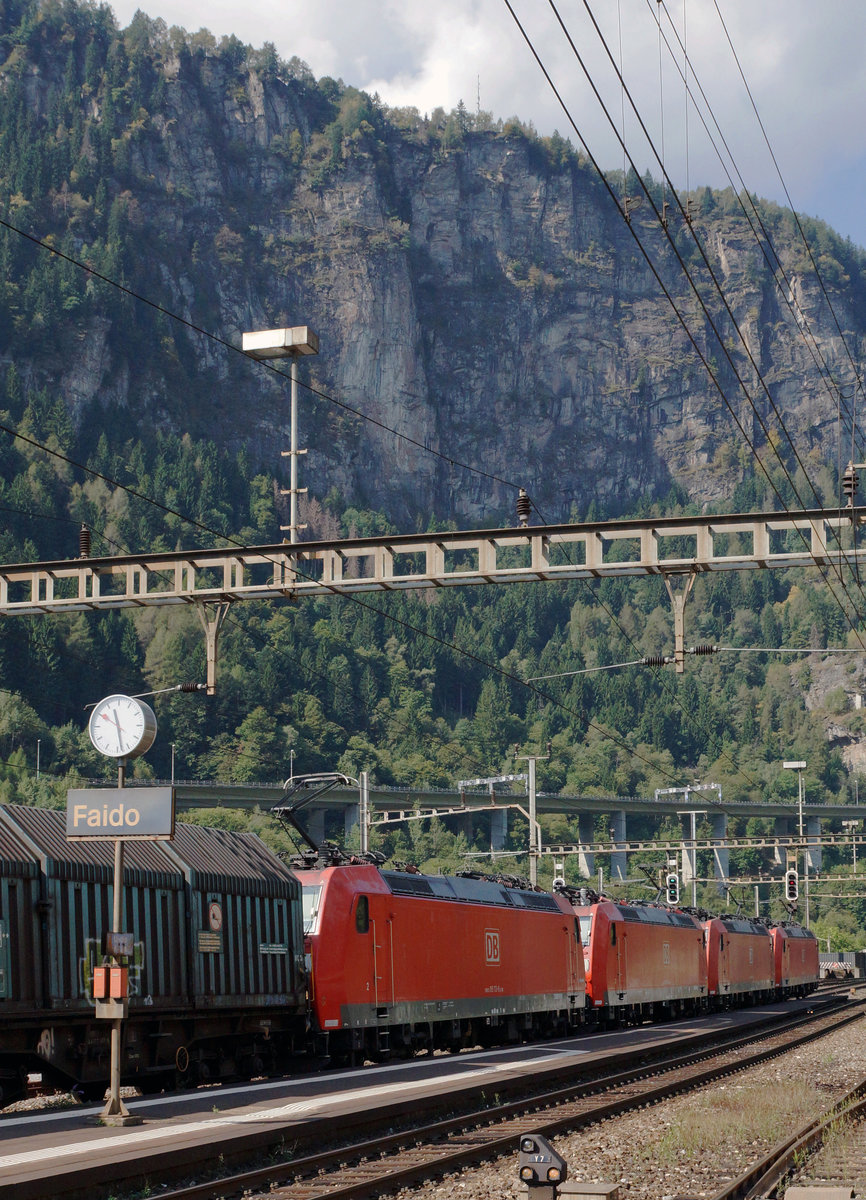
[690, 1145]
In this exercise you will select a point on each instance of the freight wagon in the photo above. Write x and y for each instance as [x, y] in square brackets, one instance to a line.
[217, 985]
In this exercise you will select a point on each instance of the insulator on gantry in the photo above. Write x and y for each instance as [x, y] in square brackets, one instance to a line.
[850, 483]
[524, 507]
[84, 542]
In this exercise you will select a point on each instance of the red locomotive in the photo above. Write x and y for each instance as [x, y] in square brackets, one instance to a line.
[740, 965]
[795, 953]
[642, 961]
[400, 961]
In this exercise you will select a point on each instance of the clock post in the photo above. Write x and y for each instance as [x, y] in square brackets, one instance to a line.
[121, 727]
[115, 1111]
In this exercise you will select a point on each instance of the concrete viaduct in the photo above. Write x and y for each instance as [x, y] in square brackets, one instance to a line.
[390, 805]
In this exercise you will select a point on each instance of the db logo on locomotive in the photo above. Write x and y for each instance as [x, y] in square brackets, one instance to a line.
[491, 946]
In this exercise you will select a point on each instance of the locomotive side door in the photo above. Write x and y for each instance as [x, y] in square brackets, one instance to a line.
[377, 926]
[617, 944]
[574, 956]
[382, 942]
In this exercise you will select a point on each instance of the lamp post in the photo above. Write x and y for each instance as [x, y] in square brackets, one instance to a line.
[291, 343]
[799, 766]
[534, 827]
[38, 747]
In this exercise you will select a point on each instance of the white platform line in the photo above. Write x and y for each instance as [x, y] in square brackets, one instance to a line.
[182, 1129]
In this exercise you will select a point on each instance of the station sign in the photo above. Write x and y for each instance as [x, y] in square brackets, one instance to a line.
[131, 814]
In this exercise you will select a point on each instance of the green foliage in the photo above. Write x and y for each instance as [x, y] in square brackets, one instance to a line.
[378, 685]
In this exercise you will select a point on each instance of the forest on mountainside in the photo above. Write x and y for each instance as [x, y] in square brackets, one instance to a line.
[153, 157]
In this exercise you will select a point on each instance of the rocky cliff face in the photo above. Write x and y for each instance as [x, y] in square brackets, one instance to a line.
[475, 290]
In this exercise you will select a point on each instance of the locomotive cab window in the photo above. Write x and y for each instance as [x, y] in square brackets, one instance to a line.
[362, 915]
[585, 929]
[312, 896]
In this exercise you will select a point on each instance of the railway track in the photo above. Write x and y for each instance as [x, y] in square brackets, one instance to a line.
[829, 1151]
[385, 1163]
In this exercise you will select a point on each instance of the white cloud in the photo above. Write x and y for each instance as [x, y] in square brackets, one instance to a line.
[803, 62]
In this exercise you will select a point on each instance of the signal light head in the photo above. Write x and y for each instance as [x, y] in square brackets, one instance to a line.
[539, 1164]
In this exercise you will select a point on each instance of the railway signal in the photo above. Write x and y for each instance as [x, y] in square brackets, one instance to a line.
[540, 1167]
[792, 884]
[672, 888]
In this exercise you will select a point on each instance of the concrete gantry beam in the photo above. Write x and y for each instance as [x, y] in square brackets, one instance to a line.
[586, 860]
[498, 829]
[619, 858]
[813, 853]
[721, 854]
[782, 829]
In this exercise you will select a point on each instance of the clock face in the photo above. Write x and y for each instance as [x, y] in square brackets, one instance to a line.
[121, 727]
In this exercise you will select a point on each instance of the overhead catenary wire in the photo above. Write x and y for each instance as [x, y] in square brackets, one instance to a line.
[702, 651]
[788, 198]
[656, 273]
[720, 291]
[660, 282]
[765, 244]
[753, 216]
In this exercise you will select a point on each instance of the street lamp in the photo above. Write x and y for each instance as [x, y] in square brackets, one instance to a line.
[292, 343]
[799, 766]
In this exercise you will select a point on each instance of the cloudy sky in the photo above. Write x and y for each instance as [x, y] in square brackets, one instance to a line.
[803, 61]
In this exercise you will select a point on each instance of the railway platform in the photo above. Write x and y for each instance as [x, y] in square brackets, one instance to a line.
[64, 1154]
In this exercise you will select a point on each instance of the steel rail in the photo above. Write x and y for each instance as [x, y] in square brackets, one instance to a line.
[762, 1176]
[457, 1142]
